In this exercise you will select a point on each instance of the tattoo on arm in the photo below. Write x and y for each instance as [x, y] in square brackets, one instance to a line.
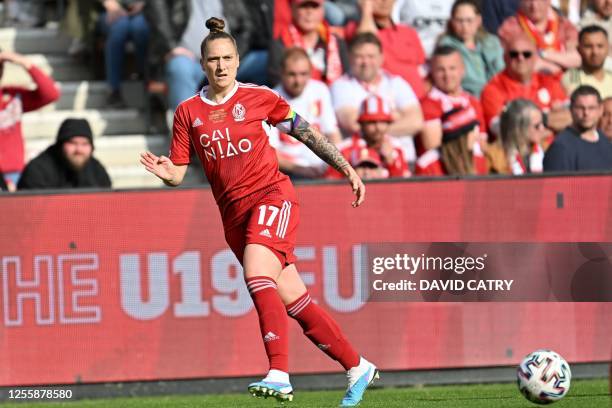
[305, 133]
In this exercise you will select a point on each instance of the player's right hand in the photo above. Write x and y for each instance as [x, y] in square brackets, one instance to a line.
[161, 166]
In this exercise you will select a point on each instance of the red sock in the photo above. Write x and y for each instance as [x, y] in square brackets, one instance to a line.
[323, 331]
[272, 320]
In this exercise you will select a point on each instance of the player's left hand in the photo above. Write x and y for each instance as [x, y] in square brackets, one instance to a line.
[357, 186]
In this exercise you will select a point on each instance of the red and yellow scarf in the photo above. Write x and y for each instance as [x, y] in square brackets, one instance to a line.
[292, 37]
[550, 38]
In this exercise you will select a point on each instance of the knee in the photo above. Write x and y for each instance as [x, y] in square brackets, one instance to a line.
[139, 27]
[118, 31]
[178, 67]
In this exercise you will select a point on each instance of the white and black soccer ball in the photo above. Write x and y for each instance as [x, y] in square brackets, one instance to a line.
[544, 377]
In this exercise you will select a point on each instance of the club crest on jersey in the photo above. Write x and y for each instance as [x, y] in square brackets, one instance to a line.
[238, 112]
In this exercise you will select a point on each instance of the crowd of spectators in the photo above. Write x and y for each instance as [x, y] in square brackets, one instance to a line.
[404, 88]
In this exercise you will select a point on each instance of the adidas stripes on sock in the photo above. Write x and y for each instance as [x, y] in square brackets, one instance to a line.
[323, 331]
[272, 320]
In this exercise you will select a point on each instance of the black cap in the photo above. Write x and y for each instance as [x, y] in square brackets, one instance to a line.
[74, 127]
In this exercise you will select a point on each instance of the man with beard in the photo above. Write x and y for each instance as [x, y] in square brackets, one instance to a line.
[581, 146]
[68, 163]
[593, 48]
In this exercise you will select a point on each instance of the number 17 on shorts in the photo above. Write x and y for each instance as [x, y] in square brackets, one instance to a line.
[274, 224]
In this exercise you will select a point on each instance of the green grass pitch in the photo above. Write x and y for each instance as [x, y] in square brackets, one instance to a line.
[583, 394]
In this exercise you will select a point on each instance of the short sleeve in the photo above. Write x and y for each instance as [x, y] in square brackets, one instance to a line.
[404, 95]
[509, 29]
[180, 147]
[345, 95]
[478, 108]
[431, 110]
[492, 101]
[557, 92]
[557, 158]
[278, 108]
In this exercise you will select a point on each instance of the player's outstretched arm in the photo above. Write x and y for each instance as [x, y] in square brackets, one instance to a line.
[311, 137]
[171, 174]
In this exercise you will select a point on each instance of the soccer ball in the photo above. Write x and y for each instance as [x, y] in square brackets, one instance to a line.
[544, 377]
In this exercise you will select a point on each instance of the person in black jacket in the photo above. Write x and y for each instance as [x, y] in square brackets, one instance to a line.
[68, 163]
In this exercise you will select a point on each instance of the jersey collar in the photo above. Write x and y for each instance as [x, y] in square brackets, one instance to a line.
[213, 103]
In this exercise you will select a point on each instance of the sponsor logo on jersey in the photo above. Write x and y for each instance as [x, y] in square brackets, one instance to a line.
[266, 233]
[544, 96]
[270, 336]
[220, 145]
[239, 112]
[197, 122]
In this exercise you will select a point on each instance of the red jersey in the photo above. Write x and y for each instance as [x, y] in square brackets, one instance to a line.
[543, 90]
[230, 139]
[15, 101]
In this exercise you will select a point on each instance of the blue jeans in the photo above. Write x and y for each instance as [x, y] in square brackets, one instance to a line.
[183, 76]
[132, 28]
[254, 67]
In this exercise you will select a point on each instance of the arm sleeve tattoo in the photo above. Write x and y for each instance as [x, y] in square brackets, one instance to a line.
[299, 128]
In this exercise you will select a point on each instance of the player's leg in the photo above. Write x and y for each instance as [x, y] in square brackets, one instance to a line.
[261, 270]
[325, 333]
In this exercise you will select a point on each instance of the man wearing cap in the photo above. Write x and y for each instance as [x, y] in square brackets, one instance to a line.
[373, 152]
[68, 163]
[309, 30]
[368, 77]
[450, 113]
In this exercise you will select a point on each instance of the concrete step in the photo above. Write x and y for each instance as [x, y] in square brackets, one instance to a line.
[34, 40]
[44, 124]
[60, 67]
[136, 176]
[121, 150]
[82, 95]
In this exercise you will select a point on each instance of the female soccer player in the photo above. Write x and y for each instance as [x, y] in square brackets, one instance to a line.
[224, 125]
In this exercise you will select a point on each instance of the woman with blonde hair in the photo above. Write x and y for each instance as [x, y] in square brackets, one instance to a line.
[481, 52]
[522, 134]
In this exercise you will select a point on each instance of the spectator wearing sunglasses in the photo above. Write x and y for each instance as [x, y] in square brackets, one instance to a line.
[520, 80]
[555, 36]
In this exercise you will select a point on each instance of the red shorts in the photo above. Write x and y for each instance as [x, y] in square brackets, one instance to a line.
[269, 219]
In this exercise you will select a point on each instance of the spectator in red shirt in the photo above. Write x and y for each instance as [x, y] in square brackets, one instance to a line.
[519, 80]
[373, 152]
[454, 135]
[308, 30]
[555, 38]
[15, 101]
[402, 48]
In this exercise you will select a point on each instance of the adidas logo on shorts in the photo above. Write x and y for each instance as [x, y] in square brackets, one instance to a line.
[266, 233]
[270, 336]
